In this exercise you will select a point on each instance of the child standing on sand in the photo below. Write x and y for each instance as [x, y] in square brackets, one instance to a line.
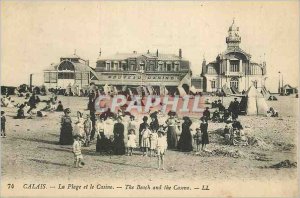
[3, 121]
[161, 148]
[145, 143]
[197, 139]
[131, 142]
[78, 162]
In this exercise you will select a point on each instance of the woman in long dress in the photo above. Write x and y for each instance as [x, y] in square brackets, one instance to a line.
[66, 136]
[203, 128]
[185, 140]
[172, 129]
[119, 144]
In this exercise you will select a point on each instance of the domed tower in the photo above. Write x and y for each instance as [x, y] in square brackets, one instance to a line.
[233, 39]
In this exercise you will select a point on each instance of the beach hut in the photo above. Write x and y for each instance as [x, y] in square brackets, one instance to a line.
[256, 103]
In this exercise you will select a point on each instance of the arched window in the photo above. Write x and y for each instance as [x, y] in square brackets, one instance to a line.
[66, 65]
[176, 66]
[160, 66]
[108, 65]
[255, 84]
[142, 65]
[169, 66]
[234, 83]
[124, 66]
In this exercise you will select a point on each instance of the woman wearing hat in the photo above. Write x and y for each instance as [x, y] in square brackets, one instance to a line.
[203, 128]
[172, 128]
[66, 136]
[119, 144]
[142, 128]
[185, 141]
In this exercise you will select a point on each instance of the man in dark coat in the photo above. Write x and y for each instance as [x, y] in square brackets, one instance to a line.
[32, 102]
[220, 106]
[235, 108]
[206, 113]
[119, 145]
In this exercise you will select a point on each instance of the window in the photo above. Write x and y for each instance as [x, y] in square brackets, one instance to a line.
[160, 66]
[124, 66]
[169, 65]
[65, 75]
[142, 65]
[255, 83]
[213, 84]
[47, 77]
[211, 70]
[176, 66]
[53, 77]
[66, 65]
[234, 66]
[108, 66]
[116, 66]
[234, 83]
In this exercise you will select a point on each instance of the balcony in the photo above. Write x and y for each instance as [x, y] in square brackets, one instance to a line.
[231, 74]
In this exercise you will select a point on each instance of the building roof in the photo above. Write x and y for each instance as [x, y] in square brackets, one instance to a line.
[123, 56]
[235, 49]
[287, 86]
[79, 67]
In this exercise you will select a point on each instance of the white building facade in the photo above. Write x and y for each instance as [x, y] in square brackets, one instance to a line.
[233, 69]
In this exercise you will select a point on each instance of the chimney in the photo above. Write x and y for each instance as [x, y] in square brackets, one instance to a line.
[180, 53]
[100, 53]
[157, 53]
[148, 52]
[87, 62]
[134, 52]
[203, 67]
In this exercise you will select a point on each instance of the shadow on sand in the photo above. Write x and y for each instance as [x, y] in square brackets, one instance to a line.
[125, 164]
[56, 149]
[38, 140]
[48, 162]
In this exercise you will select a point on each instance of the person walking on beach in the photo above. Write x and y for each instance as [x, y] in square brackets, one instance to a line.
[185, 141]
[203, 128]
[3, 122]
[119, 145]
[172, 131]
[142, 127]
[131, 144]
[161, 148]
[78, 161]
[66, 136]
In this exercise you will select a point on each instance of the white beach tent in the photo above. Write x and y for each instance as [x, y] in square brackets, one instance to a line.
[182, 92]
[256, 103]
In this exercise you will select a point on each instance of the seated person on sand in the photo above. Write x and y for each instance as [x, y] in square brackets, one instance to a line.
[227, 133]
[227, 116]
[216, 116]
[20, 112]
[206, 113]
[47, 107]
[272, 112]
[41, 114]
[59, 107]
[5, 102]
[238, 136]
[214, 104]
[207, 101]
[220, 106]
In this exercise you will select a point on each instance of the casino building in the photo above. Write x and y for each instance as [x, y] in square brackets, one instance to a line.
[233, 70]
[143, 69]
[70, 71]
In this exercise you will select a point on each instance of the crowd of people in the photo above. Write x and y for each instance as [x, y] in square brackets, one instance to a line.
[122, 133]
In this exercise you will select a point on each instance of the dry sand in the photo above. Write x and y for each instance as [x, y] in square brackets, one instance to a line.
[31, 153]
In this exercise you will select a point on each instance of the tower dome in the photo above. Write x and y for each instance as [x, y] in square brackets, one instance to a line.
[233, 39]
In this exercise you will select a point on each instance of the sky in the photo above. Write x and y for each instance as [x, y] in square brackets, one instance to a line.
[35, 34]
